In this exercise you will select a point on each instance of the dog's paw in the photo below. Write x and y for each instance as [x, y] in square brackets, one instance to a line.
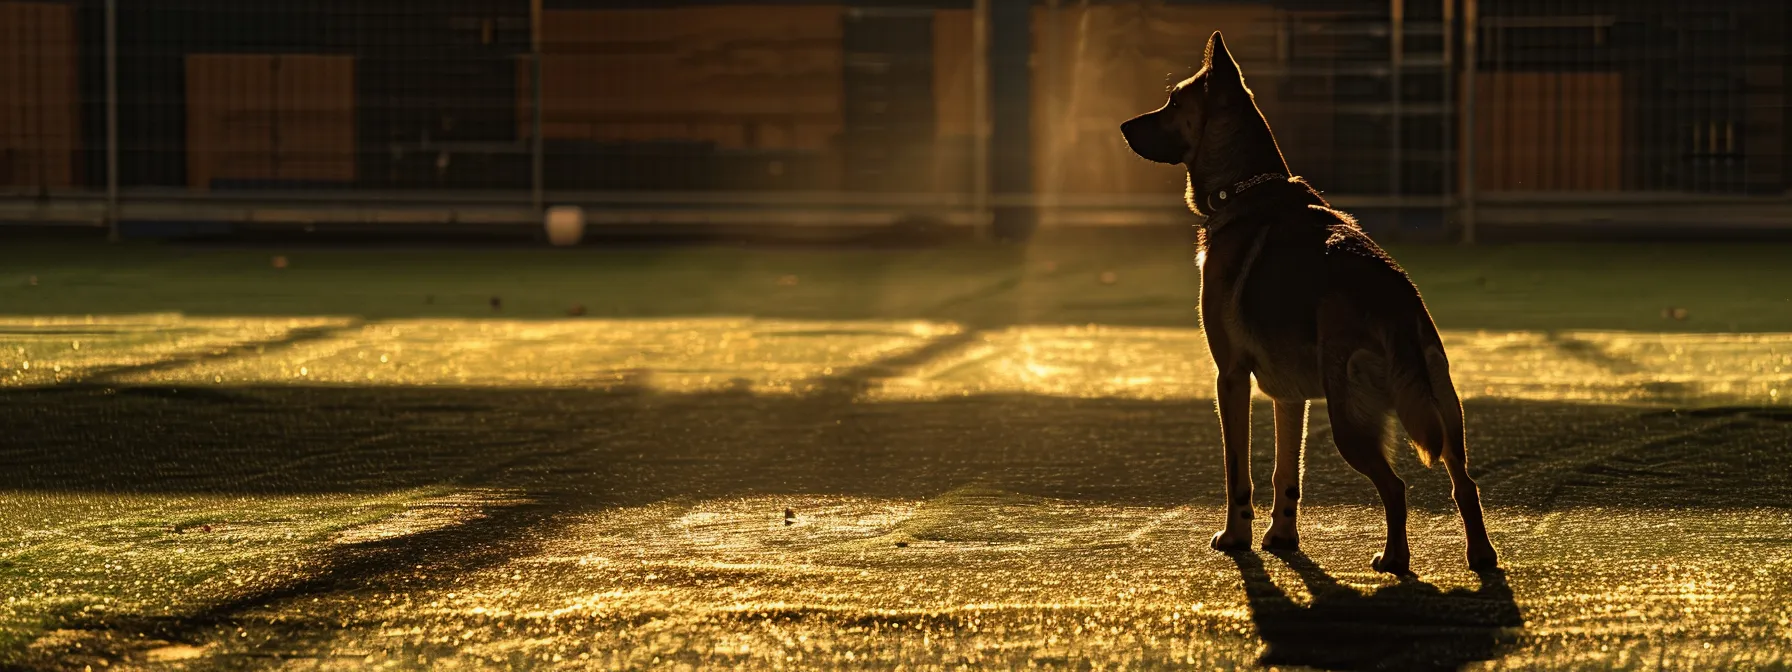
[1396, 565]
[1227, 541]
[1482, 558]
[1281, 540]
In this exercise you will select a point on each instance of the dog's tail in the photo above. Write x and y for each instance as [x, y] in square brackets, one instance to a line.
[1424, 397]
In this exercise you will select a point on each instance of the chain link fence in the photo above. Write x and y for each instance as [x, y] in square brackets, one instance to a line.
[1437, 118]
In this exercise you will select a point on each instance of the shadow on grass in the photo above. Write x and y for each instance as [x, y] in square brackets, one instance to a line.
[1406, 626]
[90, 639]
[634, 446]
[572, 452]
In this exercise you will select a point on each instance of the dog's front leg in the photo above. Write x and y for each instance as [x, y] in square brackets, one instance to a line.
[1233, 391]
[1291, 441]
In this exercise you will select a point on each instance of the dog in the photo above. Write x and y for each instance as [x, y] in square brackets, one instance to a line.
[1294, 294]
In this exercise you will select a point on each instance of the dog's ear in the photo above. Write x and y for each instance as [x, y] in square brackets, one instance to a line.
[1221, 69]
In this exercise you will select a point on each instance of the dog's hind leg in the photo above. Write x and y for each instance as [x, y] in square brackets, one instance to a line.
[1427, 405]
[1358, 406]
[1291, 439]
[1481, 555]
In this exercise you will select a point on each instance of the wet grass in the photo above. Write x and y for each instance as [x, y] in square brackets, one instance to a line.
[110, 484]
[85, 562]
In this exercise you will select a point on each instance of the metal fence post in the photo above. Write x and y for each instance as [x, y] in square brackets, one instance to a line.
[1451, 110]
[112, 120]
[980, 126]
[1011, 120]
[537, 196]
[1396, 67]
[1471, 28]
[1047, 182]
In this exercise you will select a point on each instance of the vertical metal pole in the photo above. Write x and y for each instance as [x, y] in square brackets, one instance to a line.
[1011, 120]
[1396, 64]
[537, 197]
[1471, 29]
[980, 126]
[1447, 121]
[112, 120]
[1057, 87]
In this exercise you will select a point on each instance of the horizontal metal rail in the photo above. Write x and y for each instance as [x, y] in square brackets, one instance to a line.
[838, 210]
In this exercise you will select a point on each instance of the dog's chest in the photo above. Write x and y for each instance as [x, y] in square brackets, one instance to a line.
[1266, 298]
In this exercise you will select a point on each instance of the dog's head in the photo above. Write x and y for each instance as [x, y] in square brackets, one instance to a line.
[1201, 106]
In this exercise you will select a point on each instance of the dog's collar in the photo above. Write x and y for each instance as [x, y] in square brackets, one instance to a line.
[1219, 199]
[1224, 196]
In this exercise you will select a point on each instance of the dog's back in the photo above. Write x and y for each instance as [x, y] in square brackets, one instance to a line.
[1298, 260]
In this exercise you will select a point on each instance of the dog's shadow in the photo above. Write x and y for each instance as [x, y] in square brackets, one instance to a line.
[1406, 626]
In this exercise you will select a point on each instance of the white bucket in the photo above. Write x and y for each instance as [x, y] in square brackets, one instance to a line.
[565, 225]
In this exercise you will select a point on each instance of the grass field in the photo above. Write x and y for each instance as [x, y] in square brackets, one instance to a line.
[1536, 287]
[499, 458]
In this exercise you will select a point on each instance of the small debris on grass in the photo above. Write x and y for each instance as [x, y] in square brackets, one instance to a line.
[902, 544]
[789, 517]
[1673, 313]
[787, 281]
[576, 310]
[279, 261]
[169, 653]
[497, 303]
[1109, 277]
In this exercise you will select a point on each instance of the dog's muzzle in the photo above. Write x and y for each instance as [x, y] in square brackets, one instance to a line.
[1150, 137]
